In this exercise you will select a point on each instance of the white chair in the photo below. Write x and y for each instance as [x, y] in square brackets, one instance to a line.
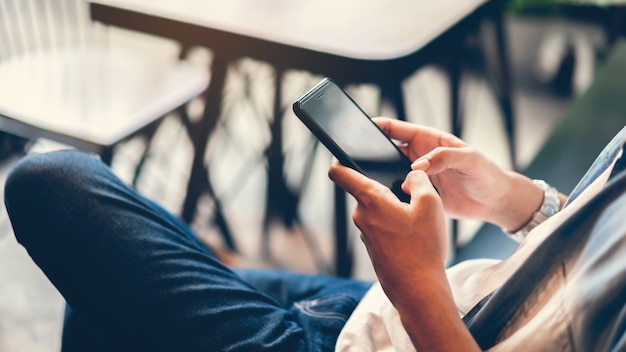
[62, 79]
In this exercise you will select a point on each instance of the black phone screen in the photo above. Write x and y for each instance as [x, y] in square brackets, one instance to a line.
[349, 133]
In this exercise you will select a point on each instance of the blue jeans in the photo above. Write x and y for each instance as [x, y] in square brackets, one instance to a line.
[135, 278]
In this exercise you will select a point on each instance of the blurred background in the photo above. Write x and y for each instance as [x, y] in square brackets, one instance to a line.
[553, 53]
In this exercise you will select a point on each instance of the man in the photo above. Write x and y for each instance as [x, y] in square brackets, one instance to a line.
[136, 279]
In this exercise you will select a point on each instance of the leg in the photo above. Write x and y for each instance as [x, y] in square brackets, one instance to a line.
[288, 288]
[299, 291]
[78, 335]
[134, 273]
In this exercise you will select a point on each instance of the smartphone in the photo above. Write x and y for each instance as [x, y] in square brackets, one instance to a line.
[351, 135]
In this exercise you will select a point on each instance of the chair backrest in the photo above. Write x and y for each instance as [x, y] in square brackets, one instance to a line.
[28, 26]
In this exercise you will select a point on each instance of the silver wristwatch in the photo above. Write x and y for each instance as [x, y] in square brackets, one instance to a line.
[551, 205]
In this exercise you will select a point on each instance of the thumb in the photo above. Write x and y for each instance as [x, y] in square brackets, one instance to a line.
[417, 183]
[443, 158]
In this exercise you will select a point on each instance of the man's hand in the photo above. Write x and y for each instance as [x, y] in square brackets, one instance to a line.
[470, 185]
[407, 244]
[400, 238]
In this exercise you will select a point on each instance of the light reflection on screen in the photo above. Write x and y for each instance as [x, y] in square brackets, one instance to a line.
[359, 137]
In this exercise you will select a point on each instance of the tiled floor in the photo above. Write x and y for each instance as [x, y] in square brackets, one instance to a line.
[30, 308]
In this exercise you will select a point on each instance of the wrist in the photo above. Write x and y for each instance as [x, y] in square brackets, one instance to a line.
[520, 198]
[551, 204]
[434, 301]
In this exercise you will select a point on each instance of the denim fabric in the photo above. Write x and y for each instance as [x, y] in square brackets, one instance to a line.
[137, 279]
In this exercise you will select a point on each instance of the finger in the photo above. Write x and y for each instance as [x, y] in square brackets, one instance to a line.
[396, 129]
[417, 184]
[351, 180]
[441, 159]
[422, 138]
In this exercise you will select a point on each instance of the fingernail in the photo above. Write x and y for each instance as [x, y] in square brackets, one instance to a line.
[421, 164]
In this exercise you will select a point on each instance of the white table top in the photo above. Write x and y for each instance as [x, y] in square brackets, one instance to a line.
[362, 29]
[91, 97]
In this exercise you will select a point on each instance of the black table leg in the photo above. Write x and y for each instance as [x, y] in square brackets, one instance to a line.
[200, 132]
[505, 88]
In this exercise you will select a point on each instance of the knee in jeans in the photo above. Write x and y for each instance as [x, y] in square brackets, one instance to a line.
[37, 176]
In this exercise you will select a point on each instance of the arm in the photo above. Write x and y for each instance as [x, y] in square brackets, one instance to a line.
[407, 244]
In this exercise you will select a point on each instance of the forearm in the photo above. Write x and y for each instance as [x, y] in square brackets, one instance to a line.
[431, 319]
